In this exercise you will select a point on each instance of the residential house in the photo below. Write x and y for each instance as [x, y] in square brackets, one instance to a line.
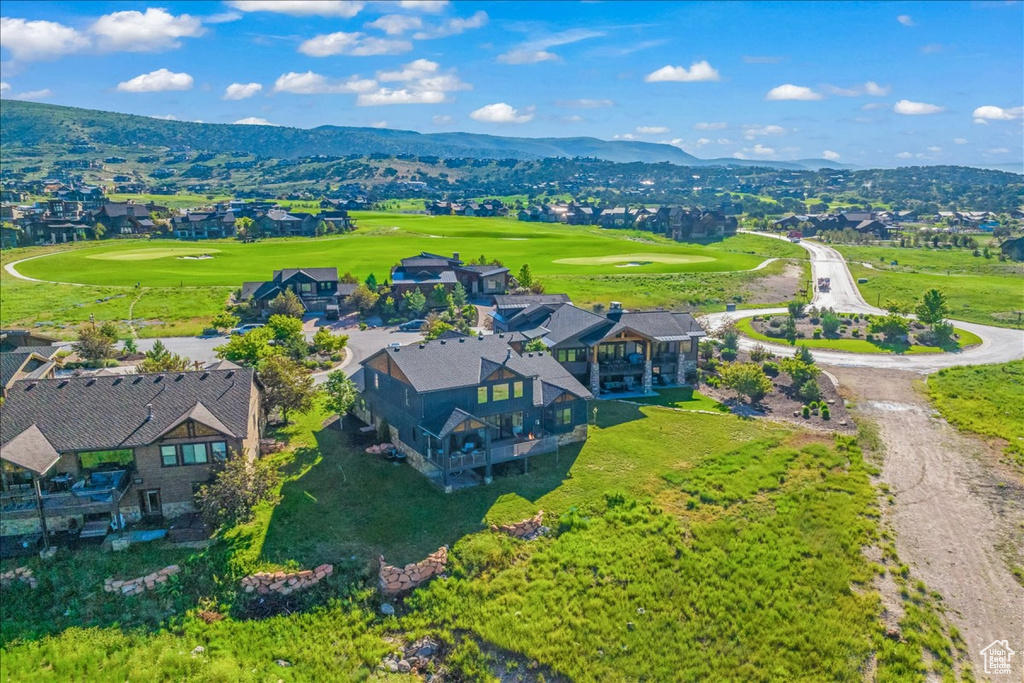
[11, 339]
[201, 225]
[26, 362]
[281, 223]
[339, 218]
[357, 204]
[617, 351]
[1013, 249]
[123, 218]
[425, 271]
[461, 405]
[618, 217]
[43, 230]
[507, 306]
[85, 454]
[317, 288]
[874, 227]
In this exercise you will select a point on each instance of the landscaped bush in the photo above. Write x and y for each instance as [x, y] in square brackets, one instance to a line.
[806, 412]
[759, 353]
[774, 323]
[856, 332]
[817, 333]
[830, 323]
[870, 337]
[825, 414]
[770, 368]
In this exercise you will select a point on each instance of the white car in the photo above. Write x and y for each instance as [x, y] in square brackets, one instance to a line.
[242, 329]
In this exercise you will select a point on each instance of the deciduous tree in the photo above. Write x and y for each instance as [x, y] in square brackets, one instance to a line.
[287, 303]
[287, 386]
[746, 379]
[160, 359]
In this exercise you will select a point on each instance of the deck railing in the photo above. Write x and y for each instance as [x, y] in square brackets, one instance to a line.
[517, 450]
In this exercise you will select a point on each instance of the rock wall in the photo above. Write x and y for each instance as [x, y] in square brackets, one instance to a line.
[395, 580]
[577, 435]
[285, 583]
[23, 574]
[527, 527]
[142, 584]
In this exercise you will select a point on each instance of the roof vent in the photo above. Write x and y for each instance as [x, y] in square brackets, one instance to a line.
[90, 382]
[63, 384]
[136, 380]
[179, 377]
[204, 375]
[501, 335]
[462, 340]
[442, 341]
[149, 412]
[423, 346]
[231, 373]
[117, 380]
[158, 379]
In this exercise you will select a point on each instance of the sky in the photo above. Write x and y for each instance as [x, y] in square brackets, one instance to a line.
[872, 84]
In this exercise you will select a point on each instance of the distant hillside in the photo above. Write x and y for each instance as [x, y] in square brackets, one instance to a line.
[29, 123]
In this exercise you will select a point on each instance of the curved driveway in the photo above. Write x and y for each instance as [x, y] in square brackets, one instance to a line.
[998, 344]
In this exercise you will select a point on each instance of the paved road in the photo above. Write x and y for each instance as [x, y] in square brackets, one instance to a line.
[999, 344]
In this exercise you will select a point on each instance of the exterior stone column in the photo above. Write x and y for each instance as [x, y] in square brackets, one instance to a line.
[595, 378]
[680, 369]
[648, 377]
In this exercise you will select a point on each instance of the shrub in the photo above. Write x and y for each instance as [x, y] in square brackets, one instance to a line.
[870, 337]
[825, 414]
[806, 412]
[759, 353]
[810, 390]
[775, 323]
[478, 552]
[770, 368]
[830, 323]
[856, 332]
[746, 379]
[237, 488]
[817, 333]
[728, 354]
[571, 519]
[362, 326]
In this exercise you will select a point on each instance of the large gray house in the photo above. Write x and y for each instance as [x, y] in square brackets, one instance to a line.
[317, 288]
[618, 351]
[460, 405]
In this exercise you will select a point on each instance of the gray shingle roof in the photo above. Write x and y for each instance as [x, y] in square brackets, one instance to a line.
[89, 413]
[566, 323]
[437, 366]
[31, 450]
[318, 274]
[511, 301]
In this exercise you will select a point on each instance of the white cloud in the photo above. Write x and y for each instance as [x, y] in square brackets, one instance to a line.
[751, 131]
[908, 108]
[442, 120]
[763, 151]
[586, 104]
[501, 112]
[152, 31]
[959, 141]
[160, 80]
[453, 26]
[166, 117]
[430, 6]
[998, 150]
[414, 70]
[385, 96]
[874, 105]
[527, 57]
[625, 136]
[651, 130]
[30, 41]
[352, 44]
[395, 24]
[254, 121]
[875, 90]
[701, 142]
[240, 91]
[905, 19]
[789, 91]
[868, 88]
[698, 71]
[830, 155]
[536, 49]
[378, 124]
[904, 155]
[5, 87]
[310, 83]
[934, 149]
[992, 113]
[302, 8]
[222, 18]
[575, 118]
[33, 94]
[714, 125]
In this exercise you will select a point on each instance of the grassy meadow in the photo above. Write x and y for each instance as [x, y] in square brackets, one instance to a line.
[979, 290]
[859, 345]
[738, 556]
[178, 294]
[986, 400]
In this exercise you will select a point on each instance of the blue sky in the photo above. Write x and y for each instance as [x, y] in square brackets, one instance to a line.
[873, 84]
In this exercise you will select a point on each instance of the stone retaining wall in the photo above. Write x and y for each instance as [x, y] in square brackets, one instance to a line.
[142, 584]
[397, 580]
[527, 527]
[23, 574]
[285, 583]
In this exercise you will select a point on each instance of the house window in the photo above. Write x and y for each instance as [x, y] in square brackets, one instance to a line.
[499, 392]
[517, 389]
[193, 454]
[685, 346]
[306, 287]
[376, 381]
[406, 398]
[563, 417]
[219, 451]
[110, 459]
[325, 286]
[481, 394]
[169, 456]
[571, 355]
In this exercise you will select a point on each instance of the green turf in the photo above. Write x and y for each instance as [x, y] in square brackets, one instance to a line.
[938, 261]
[683, 398]
[986, 400]
[858, 345]
[379, 243]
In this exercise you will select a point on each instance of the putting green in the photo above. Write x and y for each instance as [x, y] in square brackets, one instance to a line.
[153, 254]
[638, 259]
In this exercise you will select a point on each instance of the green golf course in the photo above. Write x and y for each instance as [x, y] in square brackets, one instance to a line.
[380, 241]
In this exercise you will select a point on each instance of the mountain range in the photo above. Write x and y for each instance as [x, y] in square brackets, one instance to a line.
[27, 124]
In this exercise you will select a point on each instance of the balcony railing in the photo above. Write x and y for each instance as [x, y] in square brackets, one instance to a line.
[517, 450]
[78, 500]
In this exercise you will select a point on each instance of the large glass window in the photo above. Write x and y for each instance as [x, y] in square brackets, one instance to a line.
[169, 455]
[106, 459]
[517, 389]
[306, 287]
[499, 392]
[481, 395]
[193, 453]
[219, 450]
[563, 416]
[571, 355]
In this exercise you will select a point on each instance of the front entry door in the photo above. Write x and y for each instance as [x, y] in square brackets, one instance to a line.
[149, 503]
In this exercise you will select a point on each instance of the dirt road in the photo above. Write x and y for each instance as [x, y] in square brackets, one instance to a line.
[953, 511]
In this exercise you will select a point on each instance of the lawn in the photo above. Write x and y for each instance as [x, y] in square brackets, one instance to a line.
[171, 201]
[986, 400]
[380, 241]
[938, 261]
[683, 398]
[857, 345]
[987, 299]
[684, 546]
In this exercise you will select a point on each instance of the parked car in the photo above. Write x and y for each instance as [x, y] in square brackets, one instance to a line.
[332, 312]
[242, 329]
[412, 325]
